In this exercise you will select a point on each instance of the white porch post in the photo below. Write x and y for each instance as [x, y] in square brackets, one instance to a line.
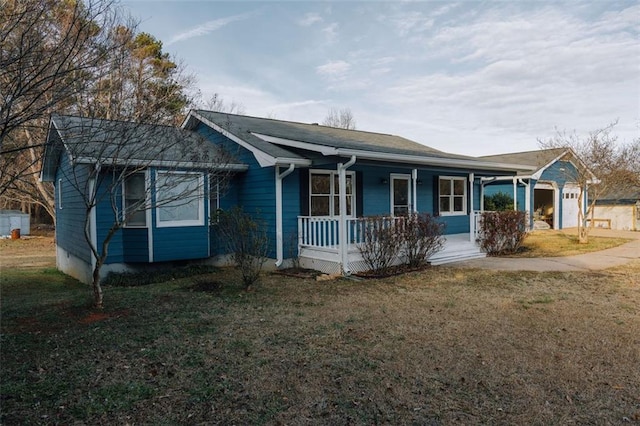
[527, 200]
[279, 243]
[472, 216]
[343, 248]
[414, 192]
[515, 194]
[481, 195]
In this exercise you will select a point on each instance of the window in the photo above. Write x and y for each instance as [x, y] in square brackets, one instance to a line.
[60, 194]
[452, 195]
[135, 199]
[180, 199]
[324, 193]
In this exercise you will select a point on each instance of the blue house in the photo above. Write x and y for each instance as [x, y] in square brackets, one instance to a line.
[314, 187]
[552, 195]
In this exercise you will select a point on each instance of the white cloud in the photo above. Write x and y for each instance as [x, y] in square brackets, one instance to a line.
[309, 19]
[209, 27]
[333, 68]
[331, 32]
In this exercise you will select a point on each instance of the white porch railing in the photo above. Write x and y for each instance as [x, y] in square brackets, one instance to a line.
[324, 232]
[477, 216]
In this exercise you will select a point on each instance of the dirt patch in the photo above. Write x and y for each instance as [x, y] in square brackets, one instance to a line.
[28, 252]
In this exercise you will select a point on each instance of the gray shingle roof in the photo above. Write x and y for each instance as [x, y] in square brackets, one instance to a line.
[244, 126]
[538, 158]
[92, 138]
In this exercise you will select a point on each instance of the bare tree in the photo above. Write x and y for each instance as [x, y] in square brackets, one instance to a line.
[217, 104]
[86, 60]
[342, 119]
[132, 168]
[604, 163]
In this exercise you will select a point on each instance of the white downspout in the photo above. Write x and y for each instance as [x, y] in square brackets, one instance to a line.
[515, 194]
[527, 200]
[414, 195]
[472, 215]
[344, 242]
[279, 243]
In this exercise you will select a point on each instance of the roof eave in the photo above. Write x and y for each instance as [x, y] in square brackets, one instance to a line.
[237, 167]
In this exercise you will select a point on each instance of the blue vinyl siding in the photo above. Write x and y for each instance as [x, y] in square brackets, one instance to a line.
[180, 243]
[71, 218]
[105, 218]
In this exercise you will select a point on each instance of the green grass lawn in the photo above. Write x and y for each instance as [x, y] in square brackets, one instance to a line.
[441, 346]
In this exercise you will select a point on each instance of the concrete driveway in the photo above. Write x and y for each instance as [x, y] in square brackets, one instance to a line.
[583, 262]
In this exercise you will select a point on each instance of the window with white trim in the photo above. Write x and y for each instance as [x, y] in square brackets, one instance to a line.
[179, 199]
[452, 195]
[324, 193]
[135, 200]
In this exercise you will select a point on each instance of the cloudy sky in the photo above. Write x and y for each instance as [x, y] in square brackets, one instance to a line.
[469, 77]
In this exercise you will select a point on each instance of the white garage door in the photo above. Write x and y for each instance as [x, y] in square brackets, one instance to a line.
[570, 194]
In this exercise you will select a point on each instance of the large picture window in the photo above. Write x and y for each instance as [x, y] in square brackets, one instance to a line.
[452, 195]
[135, 200]
[324, 193]
[180, 199]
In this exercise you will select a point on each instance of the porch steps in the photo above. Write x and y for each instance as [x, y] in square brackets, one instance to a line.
[457, 250]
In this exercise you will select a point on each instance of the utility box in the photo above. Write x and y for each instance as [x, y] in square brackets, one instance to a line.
[14, 219]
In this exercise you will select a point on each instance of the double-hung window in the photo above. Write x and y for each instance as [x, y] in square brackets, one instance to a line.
[452, 195]
[179, 199]
[324, 193]
[135, 200]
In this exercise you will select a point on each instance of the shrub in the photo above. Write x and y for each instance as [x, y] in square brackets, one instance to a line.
[246, 240]
[502, 232]
[380, 244]
[498, 202]
[421, 237]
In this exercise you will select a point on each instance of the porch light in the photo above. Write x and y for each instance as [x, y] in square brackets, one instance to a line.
[384, 181]
[419, 182]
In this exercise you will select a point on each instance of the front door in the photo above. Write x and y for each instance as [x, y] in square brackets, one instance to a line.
[400, 194]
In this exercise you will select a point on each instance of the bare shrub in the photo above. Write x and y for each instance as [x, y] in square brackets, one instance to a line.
[381, 243]
[246, 240]
[421, 237]
[502, 232]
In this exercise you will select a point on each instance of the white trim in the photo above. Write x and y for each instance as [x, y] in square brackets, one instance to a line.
[463, 212]
[199, 197]
[59, 193]
[472, 219]
[322, 149]
[279, 244]
[393, 157]
[342, 196]
[414, 179]
[168, 164]
[399, 176]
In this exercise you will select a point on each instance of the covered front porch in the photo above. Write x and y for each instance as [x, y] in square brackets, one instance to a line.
[321, 247]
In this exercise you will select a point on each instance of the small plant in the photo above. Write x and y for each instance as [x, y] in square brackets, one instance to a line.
[247, 242]
[498, 202]
[381, 243]
[421, 237]
[502, 232]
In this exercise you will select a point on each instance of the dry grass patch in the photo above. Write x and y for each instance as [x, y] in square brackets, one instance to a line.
[543, 243]
[435, 347]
